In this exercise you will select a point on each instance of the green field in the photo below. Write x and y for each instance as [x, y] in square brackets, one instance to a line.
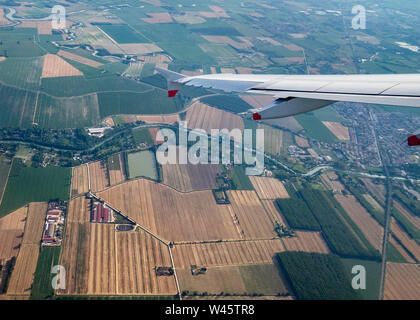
[152, 102]
[297, 214]
[228, 102]
[79, 112]
[22, 72]
[240, 179]
[261, 279]
[16, 107]
[28, 184]
[42, 289]
[142, 135]
[315, 129]
[315, 276]
[142, 164]
[122, 33]
[373, 276]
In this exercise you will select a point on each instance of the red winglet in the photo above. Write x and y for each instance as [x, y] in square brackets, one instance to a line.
[256, 116]
[172, 93]
[413, 140]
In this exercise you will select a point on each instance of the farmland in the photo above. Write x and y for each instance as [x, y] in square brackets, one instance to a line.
[35, 223]
[4, 175]
[273, 139]
[235, 280]
[23, 272]
[189, 177]
[79, 180]
[55, 67]
[201, 116]
[142, 164]
[11, 230]
[48, 256]
[402, 282]
[99, 179]
[317, 276]
[116, 169]
[315, 128]
[78, 210]
[27, 184]
[122, 33]
[188, 218]
[77, 58]
[340, 131]
[269, 188]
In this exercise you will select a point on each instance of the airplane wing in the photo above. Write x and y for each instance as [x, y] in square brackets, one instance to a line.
[296, 94]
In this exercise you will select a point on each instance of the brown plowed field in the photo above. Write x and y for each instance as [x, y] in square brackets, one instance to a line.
[79, 180]
[11, 230]
[415, 220]
[98, 176]
[402, 281]
[54, 66]
[269, 188]
[166, 119]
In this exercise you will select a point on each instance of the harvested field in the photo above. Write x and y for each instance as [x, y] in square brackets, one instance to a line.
[298, 35]
[202, 116]
[292, 47]
[245, 44]
[102, 274]
[235, 280]
[228, 70]
[301, 142]
[249, 215]
[35, 223]
[189, 177]
[273, 212]
[244, 70]
[415, 220]
[269, 188]
[372, 230]
[158, 17]
[79, 180]
[340, 131]
[273, 139]
[331, 184]
[139, 48]
[402, 281]
[226, 253]
[374, 203]
[54, 67]
[138, 255]
[166, 119]
[98, 176]
[75, 256]
[270, 41]
[401, 250]
[410, 244]
[77, 58]
[11, 230]
[116, 169]
[306, 241]
[291, 60]
[153, 133]
[377, 190]
[78, 210]
[158, 59]
[172, 215]
[43, 27]
[24, 270]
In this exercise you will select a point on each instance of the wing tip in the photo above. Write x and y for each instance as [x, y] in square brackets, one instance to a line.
[413, 140]
[256, 116]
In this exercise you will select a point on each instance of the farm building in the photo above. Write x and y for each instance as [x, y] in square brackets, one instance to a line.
[101, 213]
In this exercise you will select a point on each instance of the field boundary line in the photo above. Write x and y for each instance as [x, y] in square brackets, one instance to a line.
[7, 181]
